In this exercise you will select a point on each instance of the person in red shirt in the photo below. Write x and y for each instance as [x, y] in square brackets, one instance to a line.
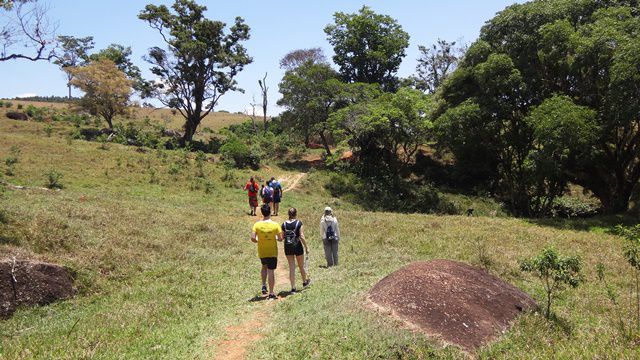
[252, 189]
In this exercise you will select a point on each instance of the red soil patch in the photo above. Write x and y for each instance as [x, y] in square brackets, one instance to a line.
[27, 283]
[455, 302]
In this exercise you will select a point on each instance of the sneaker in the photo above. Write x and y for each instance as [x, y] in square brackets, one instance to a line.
[293, 291]
[272, 297]
[306, 283]
[264, 289]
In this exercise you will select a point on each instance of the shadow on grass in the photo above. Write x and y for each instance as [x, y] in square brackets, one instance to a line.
[603, 224]
[561, 324]
[280, 295]
[301, 165]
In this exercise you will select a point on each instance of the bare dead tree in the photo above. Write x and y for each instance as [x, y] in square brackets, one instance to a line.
[264, 89]
[253, 105]
[25, 24]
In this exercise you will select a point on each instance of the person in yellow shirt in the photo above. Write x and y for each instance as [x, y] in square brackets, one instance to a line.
[266, 233]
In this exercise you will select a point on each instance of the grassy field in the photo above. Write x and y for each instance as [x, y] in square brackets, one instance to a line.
[161, 255]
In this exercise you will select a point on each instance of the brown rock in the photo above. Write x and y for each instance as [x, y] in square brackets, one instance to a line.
[452, 301]
[16, 115]
[36, 283]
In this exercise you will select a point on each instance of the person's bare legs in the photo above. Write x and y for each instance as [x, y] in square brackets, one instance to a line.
[292, 271]
[263, 274]
[303, 274]
[272, 280]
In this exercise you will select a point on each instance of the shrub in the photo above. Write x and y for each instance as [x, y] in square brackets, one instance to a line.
[53, 179]
[104, 143]
[48, 129]
[11, 160]
[8, 104]
[175, 168]
[555, 272]
[572, 207]
[19, 106]
[229, 178]
[237, 154]
[388, 194]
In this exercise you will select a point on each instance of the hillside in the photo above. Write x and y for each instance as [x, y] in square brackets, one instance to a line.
[170, 119]
[165, 269]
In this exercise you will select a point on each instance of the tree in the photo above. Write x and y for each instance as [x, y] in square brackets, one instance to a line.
[264, 92]
[200, 62]
[75, 52]
[555, 272]
[121, 56]
[368, 47]
[28, 28]
[530, 53]
[106, 88]
[310, 92]
[386, 131]
[436, 63]
[298, 57]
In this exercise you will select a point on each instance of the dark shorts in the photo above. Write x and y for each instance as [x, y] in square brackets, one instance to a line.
[253, 201]
[294, 249]
[277, 199]
[271, 262]
[267, 200]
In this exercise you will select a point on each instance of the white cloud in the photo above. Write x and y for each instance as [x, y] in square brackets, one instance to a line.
[27, 95]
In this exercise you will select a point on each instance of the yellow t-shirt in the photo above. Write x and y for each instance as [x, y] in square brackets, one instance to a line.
[266, 232]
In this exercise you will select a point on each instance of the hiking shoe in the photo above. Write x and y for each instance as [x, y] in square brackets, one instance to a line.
[293, 291]
[306, 283]
[272, 297]
[264, 289]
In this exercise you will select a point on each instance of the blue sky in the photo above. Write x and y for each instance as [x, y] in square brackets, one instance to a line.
[277, 27]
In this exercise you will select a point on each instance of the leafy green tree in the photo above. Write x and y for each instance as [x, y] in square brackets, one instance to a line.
[386, 131]
[75, 52]
[555, 271]
[562, 133]
[368, 47]
[106, 89]
[201, 60]
[310, 92]
[121, 56]
[531, 52]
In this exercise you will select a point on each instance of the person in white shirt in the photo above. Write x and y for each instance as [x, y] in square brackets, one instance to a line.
[330, 232]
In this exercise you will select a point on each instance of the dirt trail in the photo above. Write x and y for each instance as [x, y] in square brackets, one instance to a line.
[292, 181]
[241, 336]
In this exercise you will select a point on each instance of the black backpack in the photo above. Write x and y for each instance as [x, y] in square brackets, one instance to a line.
[291, 236]
[253, 188]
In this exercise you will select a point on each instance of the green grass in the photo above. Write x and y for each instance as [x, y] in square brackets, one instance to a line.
[164, 268]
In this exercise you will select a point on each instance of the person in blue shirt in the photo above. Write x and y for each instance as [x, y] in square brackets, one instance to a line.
[277, 195]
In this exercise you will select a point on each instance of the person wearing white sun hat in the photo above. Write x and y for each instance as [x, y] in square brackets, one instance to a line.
[330, 232]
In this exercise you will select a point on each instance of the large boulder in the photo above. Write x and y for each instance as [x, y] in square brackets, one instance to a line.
[16, 115]
[454, 302]
[28, 283]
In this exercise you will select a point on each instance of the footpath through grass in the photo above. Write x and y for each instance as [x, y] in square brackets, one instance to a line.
[160, 250]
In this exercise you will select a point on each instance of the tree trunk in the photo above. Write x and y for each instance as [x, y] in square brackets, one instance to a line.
[190, 127]
[325, 143]
[69, 86]
[109, 122]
